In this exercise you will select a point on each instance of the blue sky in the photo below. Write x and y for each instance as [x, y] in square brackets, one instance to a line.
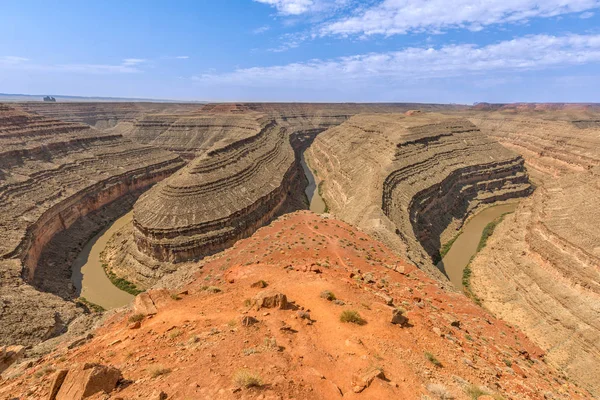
[444, 51]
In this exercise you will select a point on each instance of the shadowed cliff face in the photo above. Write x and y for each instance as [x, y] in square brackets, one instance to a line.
[413, 179]
[53, 173]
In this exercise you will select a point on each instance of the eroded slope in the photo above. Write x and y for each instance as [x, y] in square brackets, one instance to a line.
[197, 341]
[221, 196]
[541, 271]
[413, 179]
[52, 173]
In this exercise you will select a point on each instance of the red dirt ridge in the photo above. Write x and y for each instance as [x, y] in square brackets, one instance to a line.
[263, 320]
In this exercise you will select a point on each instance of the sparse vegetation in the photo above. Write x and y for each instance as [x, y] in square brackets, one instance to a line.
[507, 362]
[159, 370]
[48, 369]
[433, 359]
[351, 316]
[175, 297]
[175, 334]
[474, 392]
[440, 391]
[247, 379]
[136, 318]
[328, 295]
[211, 289]
[121, 283]
[92, 307]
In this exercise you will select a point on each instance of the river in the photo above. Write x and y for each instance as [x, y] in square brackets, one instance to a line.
[317, 205]
[465, 246]
[89, 277]
[91, 281]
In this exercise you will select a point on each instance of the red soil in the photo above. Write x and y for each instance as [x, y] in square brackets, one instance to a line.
[201, 341]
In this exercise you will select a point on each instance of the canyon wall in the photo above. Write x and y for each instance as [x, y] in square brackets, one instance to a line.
[244, 171]
[412, 180]
[53, 173]
[541, 269]
[223, 195]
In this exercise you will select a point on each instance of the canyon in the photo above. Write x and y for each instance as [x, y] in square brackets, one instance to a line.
[412, 180]
[541, 269]
[207, 200]
[54, 173]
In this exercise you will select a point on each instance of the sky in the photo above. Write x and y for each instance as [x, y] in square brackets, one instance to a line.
[433, 51]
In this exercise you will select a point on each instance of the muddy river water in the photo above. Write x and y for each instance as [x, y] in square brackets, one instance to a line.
[317, 205]
[88, 275]
[90, 279]
[465, 246]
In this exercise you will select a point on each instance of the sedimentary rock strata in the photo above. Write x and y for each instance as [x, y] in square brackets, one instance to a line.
[541, 271]
[191, 134]
[418, 175]
[220, 197]
[100, 114]
[52, 173]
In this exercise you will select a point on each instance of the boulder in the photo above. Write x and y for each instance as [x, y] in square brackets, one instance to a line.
[10, 355]
[270, 299]
[363, 380]
[87, 380]
[248, 320]
[385, 297]
[398, 318]
[143, 304]
[57, 382]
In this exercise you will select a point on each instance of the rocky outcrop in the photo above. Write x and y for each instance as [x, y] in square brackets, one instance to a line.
[412, 180]
[442, 172]
[84, 381]
[220, 197]
[52, 174]
[212, 343]
[540, 271]
[189, 135]
[217, 199]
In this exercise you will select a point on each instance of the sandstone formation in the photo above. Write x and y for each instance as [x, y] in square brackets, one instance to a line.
[52, 174]
[541, 269]
[196, 346]
[101, 115]
[221, 196]
[191, 134]
[412, 180]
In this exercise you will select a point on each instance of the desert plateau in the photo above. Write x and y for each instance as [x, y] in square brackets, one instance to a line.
[300, 200]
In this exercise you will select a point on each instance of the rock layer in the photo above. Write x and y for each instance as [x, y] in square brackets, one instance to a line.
[419, 175]
[101, 115]
[53, 173]
[541, 270]
[218, 198]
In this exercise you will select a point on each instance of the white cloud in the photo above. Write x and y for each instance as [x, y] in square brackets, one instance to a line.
[289, 41]
[261, 29]
[290, 7]
[128, 65]
[414, 64]
[129, 62]
[12, 60]
[182, 57]
[297, 7]
[391, 17]
[587, 15]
